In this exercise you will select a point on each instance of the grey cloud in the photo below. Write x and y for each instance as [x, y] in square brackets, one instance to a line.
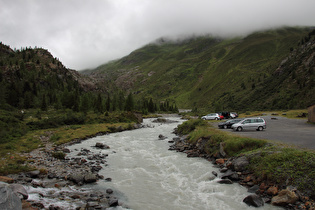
[85, 34]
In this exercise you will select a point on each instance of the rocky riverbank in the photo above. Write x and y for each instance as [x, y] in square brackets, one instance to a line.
[234, 169]
[59, 181]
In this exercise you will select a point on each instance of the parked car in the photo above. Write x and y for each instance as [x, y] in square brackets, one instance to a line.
[256, 123]
[221, 116]
[228, 123]
[233, 115]
[212, 116]
[224, 115]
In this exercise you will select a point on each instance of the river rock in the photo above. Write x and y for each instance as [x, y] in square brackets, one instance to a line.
[90, 178]
[109, 191]
[240, 163]
[284, 198]
[254, 200]
[221, 150]
[8, 199]
[253, 189]
[6, 179]
[225, 181]
[113, 202]
[201, 143]
[77, 178]
[19, 190]
[161, 137]
[101, 146]
[33, 174]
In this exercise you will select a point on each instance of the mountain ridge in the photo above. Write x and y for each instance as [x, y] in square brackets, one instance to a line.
[211, 73]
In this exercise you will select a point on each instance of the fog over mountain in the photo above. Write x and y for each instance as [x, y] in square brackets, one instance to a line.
[84, 34]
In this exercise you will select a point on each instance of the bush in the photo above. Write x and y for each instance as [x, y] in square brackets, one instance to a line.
[190, 125]
[59, 155]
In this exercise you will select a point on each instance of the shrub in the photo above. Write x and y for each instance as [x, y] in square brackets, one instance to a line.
[190, 125]
[59, 155]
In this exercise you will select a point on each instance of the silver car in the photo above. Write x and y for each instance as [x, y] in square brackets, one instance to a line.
[256, 123]
[212, 116]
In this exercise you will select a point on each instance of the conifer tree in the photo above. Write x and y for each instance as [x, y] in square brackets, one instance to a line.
[129, 103]
[44, 103]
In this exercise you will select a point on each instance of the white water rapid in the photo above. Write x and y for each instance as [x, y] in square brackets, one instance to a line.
[147, 176]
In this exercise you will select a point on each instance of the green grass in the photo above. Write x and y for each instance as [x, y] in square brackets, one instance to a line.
[275, 163]
[54, 127]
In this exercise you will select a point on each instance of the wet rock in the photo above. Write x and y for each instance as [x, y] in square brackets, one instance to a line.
[6, 179]
[101, 146]
[254, 200]
[161, 137]
[19, 190]
[284, 198]
[33, 174]
[90, 178]
[113, 202]
[253, 189]
[53, 207]
[219, 161]
[108, 179]
[77, 178]
[8, 199]
[272, 190]
[225, 181]
[109, 191]
[227, 174]
[223, 170]
[66, 150]
[201, 143]
[240, 163]
[192, 153]
[214, 173]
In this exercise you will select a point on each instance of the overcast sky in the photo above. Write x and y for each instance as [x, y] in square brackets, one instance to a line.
[87, 33]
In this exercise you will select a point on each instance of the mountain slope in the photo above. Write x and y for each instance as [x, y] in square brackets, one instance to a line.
[213, 73]
[31, 77]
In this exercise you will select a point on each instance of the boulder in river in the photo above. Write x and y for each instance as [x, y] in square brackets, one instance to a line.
[8, 199]
[101, 145]
[254, 200]
[161, 137]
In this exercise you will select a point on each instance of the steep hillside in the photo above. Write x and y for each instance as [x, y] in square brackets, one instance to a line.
[31, 78]
[253, 72]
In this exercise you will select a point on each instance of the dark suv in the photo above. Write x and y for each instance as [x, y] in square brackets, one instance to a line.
[228, 123]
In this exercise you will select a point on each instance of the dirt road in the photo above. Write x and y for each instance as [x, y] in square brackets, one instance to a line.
[290, 131]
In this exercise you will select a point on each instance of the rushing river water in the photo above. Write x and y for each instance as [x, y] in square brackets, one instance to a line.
[147, 176]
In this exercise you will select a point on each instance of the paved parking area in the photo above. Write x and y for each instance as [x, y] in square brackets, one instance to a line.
[290, 131]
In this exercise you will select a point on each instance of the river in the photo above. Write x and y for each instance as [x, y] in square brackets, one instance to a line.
[147, 176]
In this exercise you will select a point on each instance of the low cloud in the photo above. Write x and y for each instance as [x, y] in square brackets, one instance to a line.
[85, 34]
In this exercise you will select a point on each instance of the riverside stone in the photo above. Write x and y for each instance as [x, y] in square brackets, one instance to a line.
[90, 178]
[254, 200]
[240, 163]
[6, 179]
[225, 181]
[19, 190]
[272, 190]
[284, 198]
[8, 199]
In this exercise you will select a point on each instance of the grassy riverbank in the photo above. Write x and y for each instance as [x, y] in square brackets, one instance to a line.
[24, 132]
[276, 163]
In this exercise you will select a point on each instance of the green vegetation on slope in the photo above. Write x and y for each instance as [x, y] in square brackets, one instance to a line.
[217, 74]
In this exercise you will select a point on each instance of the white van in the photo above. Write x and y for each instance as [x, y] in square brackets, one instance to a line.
[256, 123]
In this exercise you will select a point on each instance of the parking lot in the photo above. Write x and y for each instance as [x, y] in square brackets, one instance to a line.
[290, 131]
